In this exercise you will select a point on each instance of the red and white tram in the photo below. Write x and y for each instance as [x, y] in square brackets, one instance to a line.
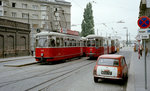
[95, 46]
[98, 45]
[53, 46]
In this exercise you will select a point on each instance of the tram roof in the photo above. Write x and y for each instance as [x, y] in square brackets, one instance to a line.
[46, 33]
[93, 36]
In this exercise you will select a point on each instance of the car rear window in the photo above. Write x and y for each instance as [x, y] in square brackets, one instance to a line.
[109, 62]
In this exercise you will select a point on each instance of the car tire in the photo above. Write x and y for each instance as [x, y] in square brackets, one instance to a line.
[95, 79]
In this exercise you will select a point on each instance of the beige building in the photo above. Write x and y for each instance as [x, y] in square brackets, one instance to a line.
[50, 14]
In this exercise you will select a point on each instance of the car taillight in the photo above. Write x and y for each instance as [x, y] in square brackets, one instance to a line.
[95, 70]
[119, 72]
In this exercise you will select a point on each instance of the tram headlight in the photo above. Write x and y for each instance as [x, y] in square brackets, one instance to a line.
[42, 54]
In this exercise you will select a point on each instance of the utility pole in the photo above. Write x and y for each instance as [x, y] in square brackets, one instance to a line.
[126, 35]
[129, 39]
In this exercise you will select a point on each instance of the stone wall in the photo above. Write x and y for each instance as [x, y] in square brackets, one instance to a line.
[14, 38]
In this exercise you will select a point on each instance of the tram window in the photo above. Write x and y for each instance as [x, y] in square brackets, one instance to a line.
[107, 43]
[42, 42]
[62, 42]
[81, 43]
[77, 43]
[52, 42]
[57, 42]
[74, 42]
[112, 43]
[88, 43]
[93, 42]
[97, 43]
[100, 42]
[84, 43]
[65, 43]
[70, 43]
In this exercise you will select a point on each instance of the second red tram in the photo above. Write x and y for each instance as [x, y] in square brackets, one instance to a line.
[98, 45]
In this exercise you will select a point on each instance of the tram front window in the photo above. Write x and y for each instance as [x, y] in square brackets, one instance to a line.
[91, 43]
[42, 42]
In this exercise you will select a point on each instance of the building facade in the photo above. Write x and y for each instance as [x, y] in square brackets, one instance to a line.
[144, 10]
[14, 38]
[40, 14]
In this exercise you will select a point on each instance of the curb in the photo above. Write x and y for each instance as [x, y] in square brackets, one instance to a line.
[19, 65]
[15, 59]
[131, 76]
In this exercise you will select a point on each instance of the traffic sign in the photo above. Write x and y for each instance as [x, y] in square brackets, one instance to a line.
[144, 22]
[138, 37]
[144, 31]
[145, 36]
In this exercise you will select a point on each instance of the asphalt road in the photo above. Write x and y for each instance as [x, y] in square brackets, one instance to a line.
[74, 75]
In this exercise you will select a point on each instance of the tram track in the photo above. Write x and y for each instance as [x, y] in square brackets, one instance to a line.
[64, 74]
[2, 84]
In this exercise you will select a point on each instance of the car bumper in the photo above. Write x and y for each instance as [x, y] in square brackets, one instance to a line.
[108, 77]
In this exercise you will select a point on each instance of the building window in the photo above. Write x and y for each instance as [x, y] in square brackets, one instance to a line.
[14, 14]
[1, 13]
[13, 4]
[44, 16]
[35, 16]
[5, 12]
[35, 7]
[24, 6]
[43, 7]
[25, 15]
[35, 25]
[0, 3]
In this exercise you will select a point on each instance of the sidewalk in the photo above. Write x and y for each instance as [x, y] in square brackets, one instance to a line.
[14, 58]
[136, 80]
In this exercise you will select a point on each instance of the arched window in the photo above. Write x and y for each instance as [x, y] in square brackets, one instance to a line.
[2, 42]
[22, 42]
[11, 43]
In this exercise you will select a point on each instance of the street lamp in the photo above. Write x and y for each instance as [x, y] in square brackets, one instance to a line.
[126, 35]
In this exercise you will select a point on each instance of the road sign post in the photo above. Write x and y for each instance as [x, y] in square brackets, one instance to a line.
[145, 64]
[144, 22]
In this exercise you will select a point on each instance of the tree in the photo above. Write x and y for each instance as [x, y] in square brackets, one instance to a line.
[87, 22]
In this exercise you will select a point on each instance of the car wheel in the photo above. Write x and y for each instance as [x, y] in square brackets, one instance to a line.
[95, 79]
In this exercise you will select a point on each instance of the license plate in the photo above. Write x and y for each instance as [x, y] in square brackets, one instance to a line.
[106, 72]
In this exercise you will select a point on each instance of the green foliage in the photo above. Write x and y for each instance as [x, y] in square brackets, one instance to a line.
[88, 22]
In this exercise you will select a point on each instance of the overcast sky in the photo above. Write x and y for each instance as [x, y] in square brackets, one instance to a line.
[106, 15]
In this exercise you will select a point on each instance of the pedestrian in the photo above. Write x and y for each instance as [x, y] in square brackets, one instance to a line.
[117, 49]
[141, 49]
[32, 52]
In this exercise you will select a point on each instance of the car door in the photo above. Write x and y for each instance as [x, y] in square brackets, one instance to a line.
[123, 66]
